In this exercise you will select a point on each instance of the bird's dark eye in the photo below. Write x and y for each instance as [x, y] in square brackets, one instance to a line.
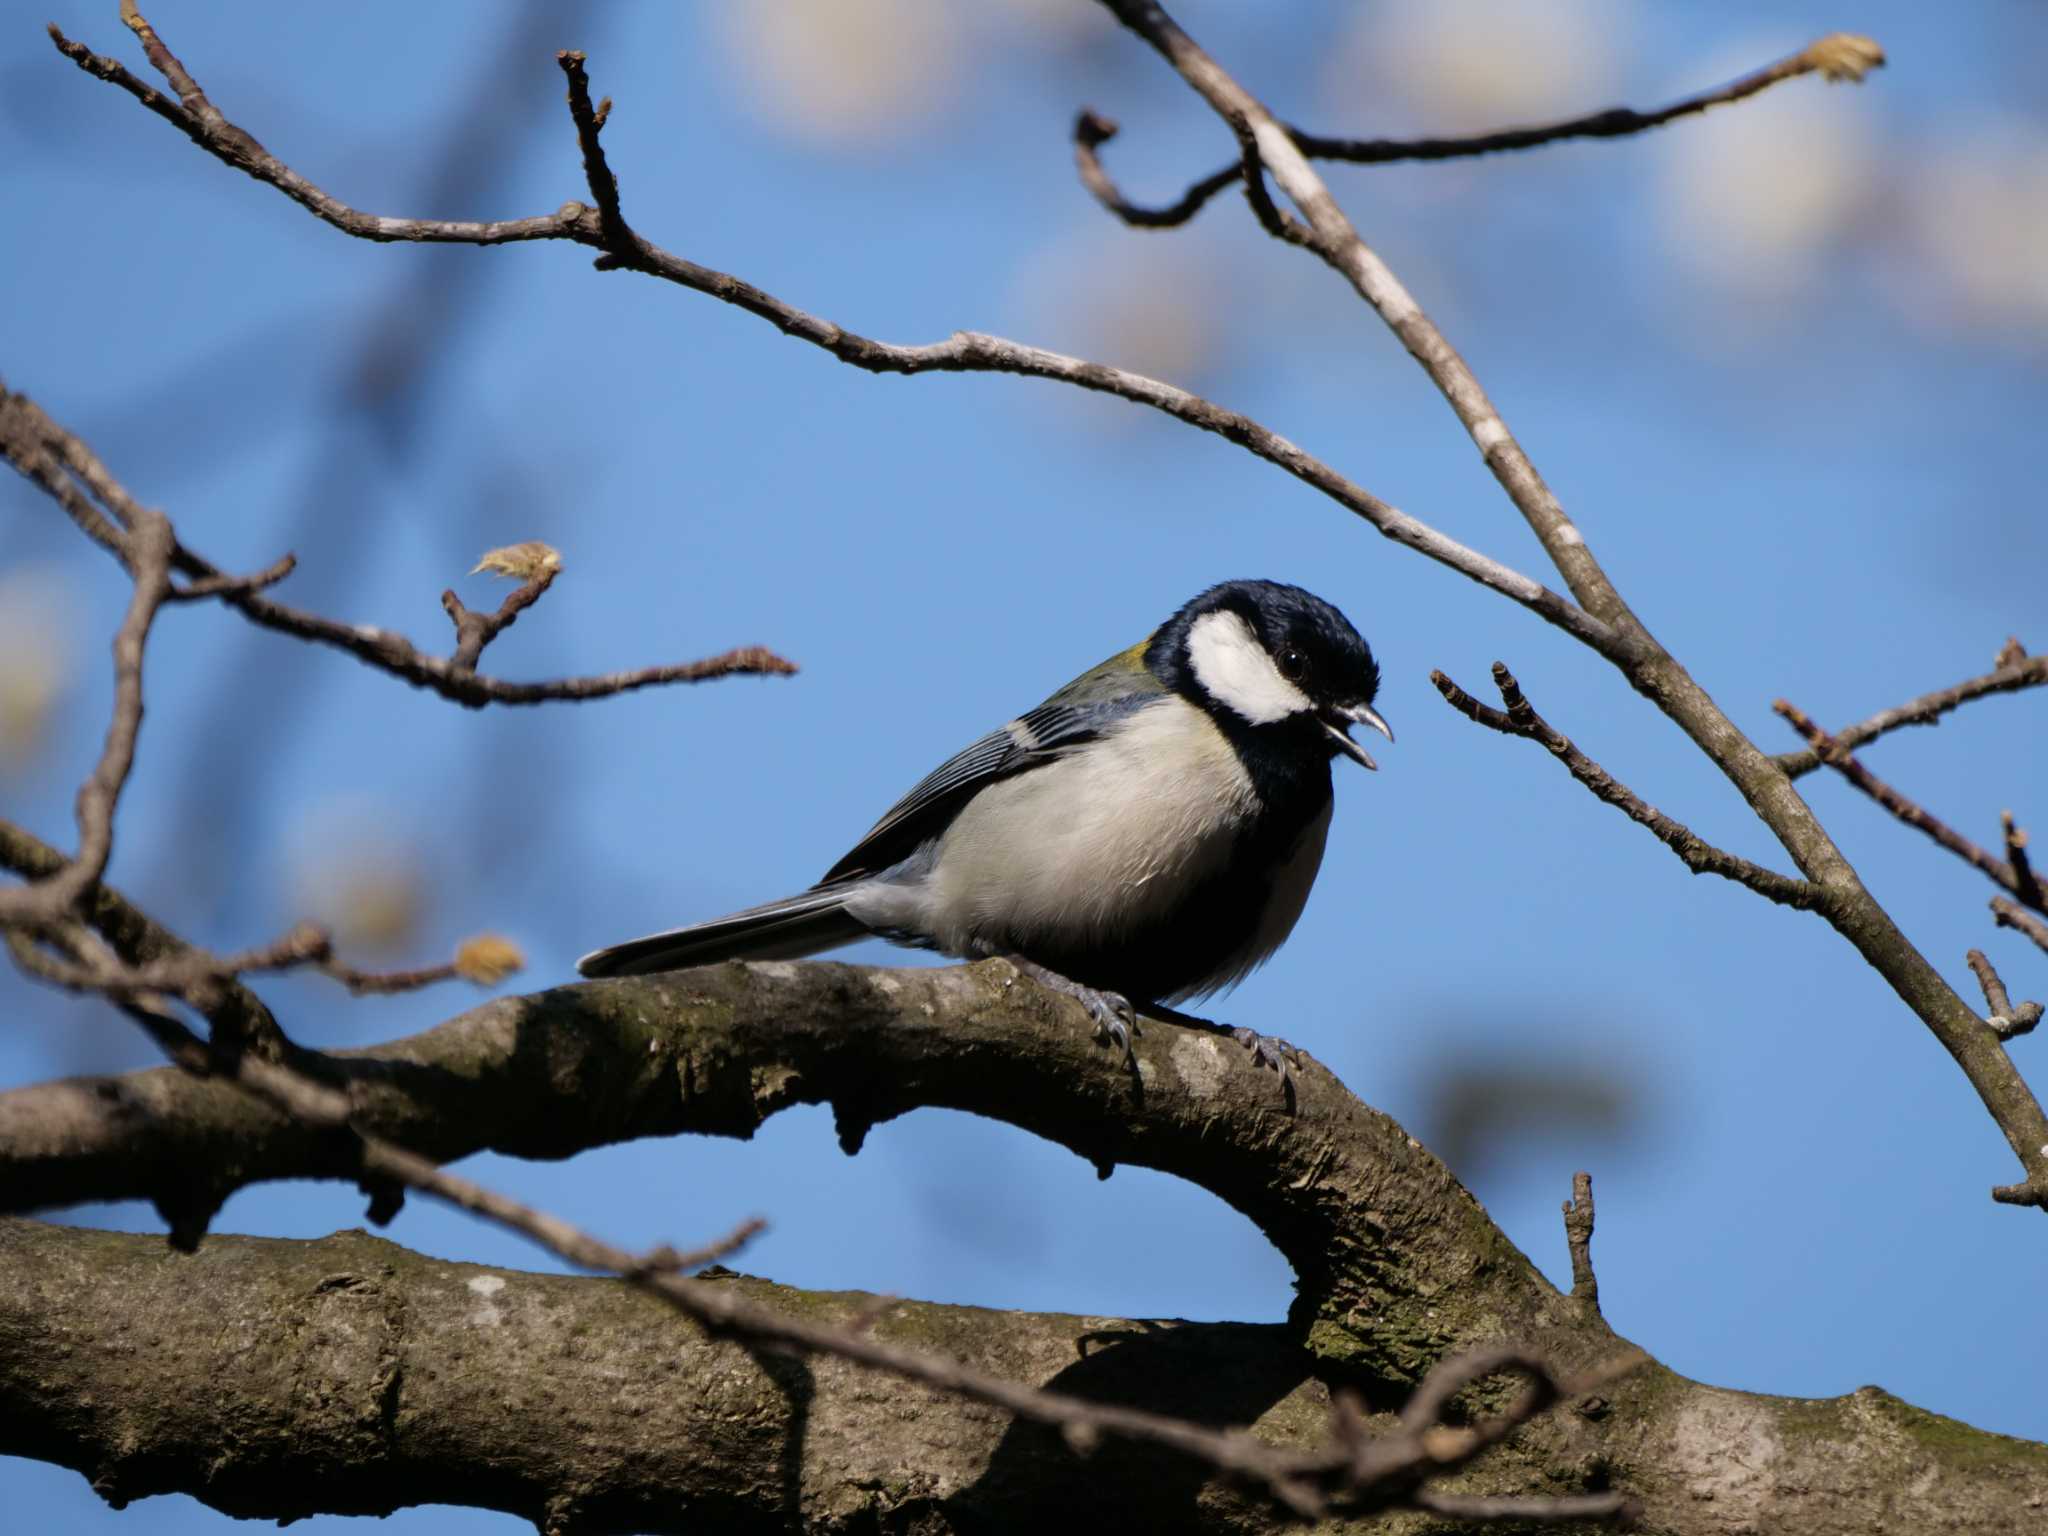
[1293, 664]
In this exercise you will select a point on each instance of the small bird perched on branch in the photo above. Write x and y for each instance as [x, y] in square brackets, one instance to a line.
[1148, 833]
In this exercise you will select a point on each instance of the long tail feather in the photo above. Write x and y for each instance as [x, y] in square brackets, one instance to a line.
[779, 930]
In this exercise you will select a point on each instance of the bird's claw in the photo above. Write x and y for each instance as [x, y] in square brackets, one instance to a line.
[1115, 1019]
[1266, 1050]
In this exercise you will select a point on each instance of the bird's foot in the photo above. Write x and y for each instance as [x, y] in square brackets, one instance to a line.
[1115, 1019]
[1267, 1050]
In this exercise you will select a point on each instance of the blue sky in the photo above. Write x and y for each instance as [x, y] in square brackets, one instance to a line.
[1783, 365]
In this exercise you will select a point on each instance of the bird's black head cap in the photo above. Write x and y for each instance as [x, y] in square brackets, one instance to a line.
[1311, 646]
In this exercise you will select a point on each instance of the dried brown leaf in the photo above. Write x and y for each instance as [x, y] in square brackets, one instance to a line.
[488, 959]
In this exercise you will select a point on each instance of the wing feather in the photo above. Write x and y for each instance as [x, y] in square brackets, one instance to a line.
[1079, 712]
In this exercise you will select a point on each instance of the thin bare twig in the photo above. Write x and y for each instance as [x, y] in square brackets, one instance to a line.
[1911, 812]
[190, 974]
[235, 1013]
[1337, 242]
[2015, 670]
[1275, 220]
[1838, 56]
[22, 443]
[474, 631]
[29, 437]
[148, 543]
[1558, 1507]
[2007, 1021]
[388, 983]
[619, 238]
[1578, 1236]
[226, 586]
[1450, 1448]
[2027, 885]
[2010, 914]
[1698, 855]
[963, 352]
[667, 1260]
[166, 64]
[1091, 131]
[484, 960]
[201, 122]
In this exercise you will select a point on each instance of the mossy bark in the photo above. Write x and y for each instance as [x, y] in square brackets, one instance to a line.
[279, 1378]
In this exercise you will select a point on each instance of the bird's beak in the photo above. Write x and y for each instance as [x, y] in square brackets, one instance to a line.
[1338, 721]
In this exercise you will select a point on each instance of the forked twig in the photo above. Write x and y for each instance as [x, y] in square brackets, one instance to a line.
[1838, 56]
[1697, 854]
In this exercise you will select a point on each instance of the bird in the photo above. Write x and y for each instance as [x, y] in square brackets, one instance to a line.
[1145, 837]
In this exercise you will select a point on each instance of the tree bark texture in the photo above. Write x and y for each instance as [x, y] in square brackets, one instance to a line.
[278, 1378]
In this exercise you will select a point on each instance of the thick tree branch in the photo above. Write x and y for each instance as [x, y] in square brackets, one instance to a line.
[1384, 1240]
[1838, 56]
[623, 1055]
[1348, 1471]
[964, 352]
[276, 1379]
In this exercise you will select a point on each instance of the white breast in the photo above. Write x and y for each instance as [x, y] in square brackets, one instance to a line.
[1096, 844]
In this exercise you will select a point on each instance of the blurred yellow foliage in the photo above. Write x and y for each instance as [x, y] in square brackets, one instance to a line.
[36, 663]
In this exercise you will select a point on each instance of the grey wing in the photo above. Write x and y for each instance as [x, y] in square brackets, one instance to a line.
[1055, 727]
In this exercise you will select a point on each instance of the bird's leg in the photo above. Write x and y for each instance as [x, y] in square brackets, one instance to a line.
[1115, 1019]
[1267, 1050]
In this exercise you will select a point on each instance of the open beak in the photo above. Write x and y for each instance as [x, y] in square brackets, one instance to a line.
[1338, 722]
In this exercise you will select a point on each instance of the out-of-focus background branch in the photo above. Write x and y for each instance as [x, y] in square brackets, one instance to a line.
[1792, 393]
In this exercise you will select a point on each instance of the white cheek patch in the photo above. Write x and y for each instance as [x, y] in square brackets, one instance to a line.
[1231, 664]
